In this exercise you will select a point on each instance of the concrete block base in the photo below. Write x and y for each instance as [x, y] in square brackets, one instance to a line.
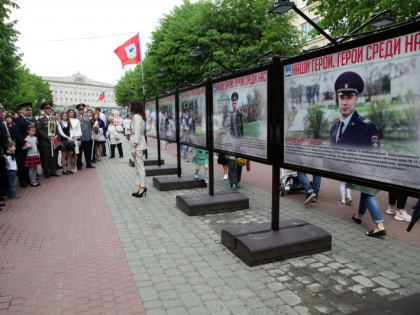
[257, 244]
[203, 203]
[175, 183]
[156, 170]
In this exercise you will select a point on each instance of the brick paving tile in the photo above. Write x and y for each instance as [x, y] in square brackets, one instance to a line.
[60, 252]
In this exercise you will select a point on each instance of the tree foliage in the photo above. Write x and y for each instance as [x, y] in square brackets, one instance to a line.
[9, 57]
[30, 88]
[233, 32]
[340, 17]
[17, 84]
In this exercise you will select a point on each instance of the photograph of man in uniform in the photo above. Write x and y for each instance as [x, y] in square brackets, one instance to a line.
[352, 130]
[236, 118]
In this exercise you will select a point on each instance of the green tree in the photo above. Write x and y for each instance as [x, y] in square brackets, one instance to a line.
[340, 17]
[30, 88]
[315, 122]
[233, 32]
[9, 56]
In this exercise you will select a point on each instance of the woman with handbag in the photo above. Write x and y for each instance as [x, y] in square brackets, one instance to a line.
[115, 138]
[138, 144]
[65, 132]
[368, 201]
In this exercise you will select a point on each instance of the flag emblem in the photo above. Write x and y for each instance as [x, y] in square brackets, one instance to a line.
[288, 70]
[101, 96]
[131, 51]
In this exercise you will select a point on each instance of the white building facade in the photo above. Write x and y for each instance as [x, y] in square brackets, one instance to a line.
[77, 88]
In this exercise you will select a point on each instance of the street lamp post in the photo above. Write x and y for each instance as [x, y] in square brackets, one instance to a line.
[283, 6]
[196, 52]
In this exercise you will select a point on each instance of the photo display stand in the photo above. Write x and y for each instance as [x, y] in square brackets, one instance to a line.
[257, 244]
[160, 169]
[166, 183]
[150, 108]
[222, 201]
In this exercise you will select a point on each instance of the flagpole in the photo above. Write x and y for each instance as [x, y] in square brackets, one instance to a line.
[141, 66]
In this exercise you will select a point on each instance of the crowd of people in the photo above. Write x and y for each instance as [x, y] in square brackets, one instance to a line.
[52, 141]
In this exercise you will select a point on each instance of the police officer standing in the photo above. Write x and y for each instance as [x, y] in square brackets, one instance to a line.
[45, 141]
[352, 130]
[236, 118]
[21, 131]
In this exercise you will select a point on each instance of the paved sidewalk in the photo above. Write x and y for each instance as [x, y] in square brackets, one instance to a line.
[60, 253]
[260, 176]
[180, 267]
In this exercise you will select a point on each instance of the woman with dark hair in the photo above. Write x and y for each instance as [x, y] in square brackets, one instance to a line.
[98, 129]
[138, 144]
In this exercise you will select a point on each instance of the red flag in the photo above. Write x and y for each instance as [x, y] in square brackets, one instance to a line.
[101, 96]
[129, 52]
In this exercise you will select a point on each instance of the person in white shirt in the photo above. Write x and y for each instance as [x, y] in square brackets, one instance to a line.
[11, 167]
[76, 135]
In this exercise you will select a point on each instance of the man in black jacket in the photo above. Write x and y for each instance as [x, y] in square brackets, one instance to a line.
[3, 149]
[21, 131]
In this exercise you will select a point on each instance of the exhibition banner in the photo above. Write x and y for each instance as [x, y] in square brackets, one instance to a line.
[167, 118]
[357, 111]
[192, 116]
[150, 109]
[240, 115]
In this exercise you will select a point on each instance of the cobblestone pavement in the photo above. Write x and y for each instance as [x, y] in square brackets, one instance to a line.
[180, 267]
[60, 252]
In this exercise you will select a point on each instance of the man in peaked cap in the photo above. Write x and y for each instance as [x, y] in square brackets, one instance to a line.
[49, 167]
[236, 118]
[21, 130]
[352, 130]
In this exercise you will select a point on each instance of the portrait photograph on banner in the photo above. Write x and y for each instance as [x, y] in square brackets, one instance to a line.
[192, 116]
[356, 112]
[150, 109]
[167, 124]
[240, 115]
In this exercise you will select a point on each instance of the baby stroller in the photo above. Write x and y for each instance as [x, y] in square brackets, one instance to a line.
[289, 182]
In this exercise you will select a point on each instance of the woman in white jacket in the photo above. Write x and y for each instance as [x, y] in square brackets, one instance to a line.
[138, 144]
[115, 139]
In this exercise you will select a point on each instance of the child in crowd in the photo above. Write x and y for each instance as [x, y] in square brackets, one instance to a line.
[32, 158]
[11, 167]
[201, 157]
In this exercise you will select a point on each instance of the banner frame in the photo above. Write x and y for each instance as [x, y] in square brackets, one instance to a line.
[270, 104]
[375, 38]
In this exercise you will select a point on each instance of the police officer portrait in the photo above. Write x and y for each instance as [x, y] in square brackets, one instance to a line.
[352, 129]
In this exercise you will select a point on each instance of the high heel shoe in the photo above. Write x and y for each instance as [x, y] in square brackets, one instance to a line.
[143, 192]
[138, 195]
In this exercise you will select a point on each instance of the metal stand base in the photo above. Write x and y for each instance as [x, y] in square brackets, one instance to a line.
[203, 203]
[153, 162]
[156, 170]
[176, 183]
[258, 244]
[408, 305]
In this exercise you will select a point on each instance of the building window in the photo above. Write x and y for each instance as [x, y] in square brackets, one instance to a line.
[303, 3]
[306, 29]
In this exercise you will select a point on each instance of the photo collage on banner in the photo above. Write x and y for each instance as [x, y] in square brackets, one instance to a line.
[167, 121]
[192, 116]
[150, 108]
[240, 115]
[356, 112]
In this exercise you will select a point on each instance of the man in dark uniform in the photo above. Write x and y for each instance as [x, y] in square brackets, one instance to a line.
[86, 142]
[45, 142]
[352, 130]
[236, 119]
[21, 131]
